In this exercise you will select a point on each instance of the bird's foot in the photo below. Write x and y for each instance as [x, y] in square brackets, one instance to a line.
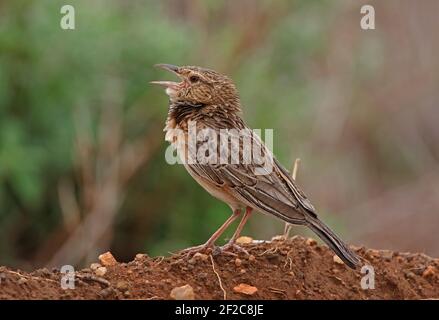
[203, 248]
[232, 245]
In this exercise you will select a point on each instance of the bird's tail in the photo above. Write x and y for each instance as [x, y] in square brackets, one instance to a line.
[334, 242]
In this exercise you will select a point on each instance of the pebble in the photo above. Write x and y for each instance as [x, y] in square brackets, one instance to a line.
[251, 258]
[185, 292]
[245, 289]
[95, 266]
[242, 271]
[101, 271]
[107, 259]
[201, 256]
[105, 293]
[122, 286]
[198, 257]
[410, 275]
[22, 281]
[139, 256]
[337, 259]
[430, 271]
[373, 253]
[238, 262]
[311, 242]
[244, 240]
[387, 255]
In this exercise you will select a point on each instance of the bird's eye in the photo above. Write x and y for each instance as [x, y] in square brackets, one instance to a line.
[194, 79]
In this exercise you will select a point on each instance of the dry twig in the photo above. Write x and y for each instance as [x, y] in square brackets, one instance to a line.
[90, 277]
[287, 225]
[219, 278]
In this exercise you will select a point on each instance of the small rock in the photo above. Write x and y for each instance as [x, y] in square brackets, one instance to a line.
[337, 259]
[43, 273]
[122, 286]
[410, 275]
[95, 266]
[139, 256]
[127, 294]
[238, 262]
[373, 253]
[430, 271]
[251, 258]
[107, 259]
[22, 281]
[245, 289]
[201, 256]
[101, 271]
[310, 242]
[242, 271]
[387, 255]
[183, 293]
[198, 257]
[244, 240]
[105, 293]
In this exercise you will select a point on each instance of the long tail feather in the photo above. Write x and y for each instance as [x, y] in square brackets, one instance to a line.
[334, 242]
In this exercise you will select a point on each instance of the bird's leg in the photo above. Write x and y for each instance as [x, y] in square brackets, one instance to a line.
[231, 243]
[209, 243]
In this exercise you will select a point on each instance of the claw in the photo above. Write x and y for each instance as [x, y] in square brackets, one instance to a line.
[232, 245]
[188, 252]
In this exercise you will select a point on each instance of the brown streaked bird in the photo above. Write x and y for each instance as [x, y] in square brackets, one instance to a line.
[211, 101]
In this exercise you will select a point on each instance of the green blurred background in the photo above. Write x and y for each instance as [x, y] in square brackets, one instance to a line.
[82, 167]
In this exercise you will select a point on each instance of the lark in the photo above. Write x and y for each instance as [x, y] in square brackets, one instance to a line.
[210, 101]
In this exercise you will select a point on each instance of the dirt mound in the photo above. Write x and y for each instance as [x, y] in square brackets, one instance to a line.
[293, 269]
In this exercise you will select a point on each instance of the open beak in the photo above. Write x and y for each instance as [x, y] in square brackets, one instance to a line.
[173, 69]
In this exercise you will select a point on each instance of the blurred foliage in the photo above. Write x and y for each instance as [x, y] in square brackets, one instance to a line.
[284, 57]
[45, 74]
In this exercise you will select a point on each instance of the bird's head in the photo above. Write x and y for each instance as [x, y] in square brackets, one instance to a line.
[199, 85]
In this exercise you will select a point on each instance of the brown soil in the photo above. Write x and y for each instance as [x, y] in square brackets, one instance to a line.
[295, 269]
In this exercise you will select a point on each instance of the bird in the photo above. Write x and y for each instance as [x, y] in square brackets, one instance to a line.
[208, 100]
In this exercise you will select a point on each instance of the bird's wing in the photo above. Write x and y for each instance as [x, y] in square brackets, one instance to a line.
[267, 187]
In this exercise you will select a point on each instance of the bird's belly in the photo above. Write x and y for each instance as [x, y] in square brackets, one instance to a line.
[217, 192]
